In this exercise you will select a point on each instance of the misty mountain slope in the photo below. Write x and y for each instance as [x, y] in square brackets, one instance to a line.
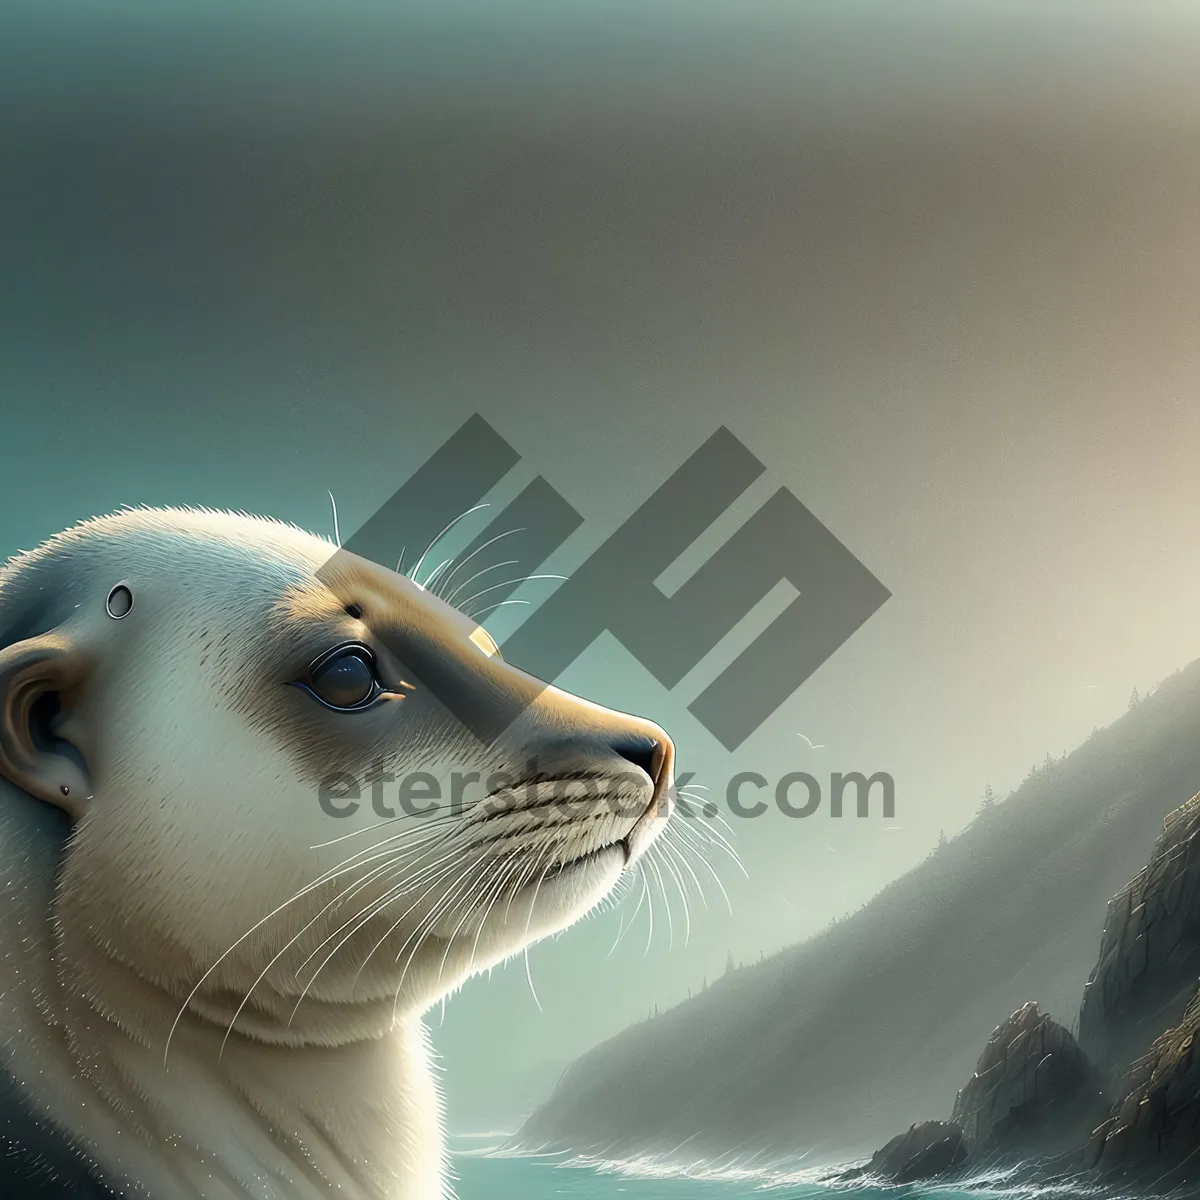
[834, 1045]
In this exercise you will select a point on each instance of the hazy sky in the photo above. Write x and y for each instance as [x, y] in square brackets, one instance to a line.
[940, 273]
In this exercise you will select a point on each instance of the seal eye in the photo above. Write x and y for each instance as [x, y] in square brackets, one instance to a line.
[345, 679]
[120, 601]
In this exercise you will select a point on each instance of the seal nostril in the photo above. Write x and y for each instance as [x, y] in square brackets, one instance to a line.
[641, 751]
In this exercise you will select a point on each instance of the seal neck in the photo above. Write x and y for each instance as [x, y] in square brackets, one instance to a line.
[355, 1117]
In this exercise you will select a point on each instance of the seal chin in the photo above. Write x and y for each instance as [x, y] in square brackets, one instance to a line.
[602, 856]
[637, 841]
[572, 888]
[576, 884]
[548, 904]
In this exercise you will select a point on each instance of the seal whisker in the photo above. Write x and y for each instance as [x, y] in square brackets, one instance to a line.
[716, 879]
[649, 903]
[359, 921]
[693, 790]
[679, 834]
[385, 870]
[492, 607]
[446, 530]
[337, 533]
[709, 810]
[714, 837]
[514, 891]
[434, 573]
[441, 819]
[451, 900]
[461, 887]
[359, 833]
[373, 853]
[529, 979]
[382, 902]
[671, 857]
[626, 927]
[651, 862]
[717, 842]
[537, 891]
[675, 851]
[469, 905]
[398, 889]
[704, 852]
[425, 928]
[466, 583]
[541, 864]
[372, 909]
[326, 878]
[479, 549]
[275, 958]
[249, 932]
[395, 925]
[509, 583]
[617, 941]
[424, 836]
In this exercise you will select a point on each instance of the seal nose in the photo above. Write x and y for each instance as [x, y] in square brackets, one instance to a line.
[652, 751]
[641, 750]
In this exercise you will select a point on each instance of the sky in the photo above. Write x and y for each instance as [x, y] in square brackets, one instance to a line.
[938, 269]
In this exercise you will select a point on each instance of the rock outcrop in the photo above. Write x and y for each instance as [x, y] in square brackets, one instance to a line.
[1150, 949]
[1157, 1125]
[928, 1149]
[1037, 1096]
[1033, 1091]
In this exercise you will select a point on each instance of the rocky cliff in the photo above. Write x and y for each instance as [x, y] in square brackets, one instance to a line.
[1033, 1088]
[1037, 1098]
[1155, 1130]
[1150, 949]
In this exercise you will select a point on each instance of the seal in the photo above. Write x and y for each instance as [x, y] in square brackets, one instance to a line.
[263, 803]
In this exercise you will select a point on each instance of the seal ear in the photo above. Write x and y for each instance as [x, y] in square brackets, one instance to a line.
[40, 682]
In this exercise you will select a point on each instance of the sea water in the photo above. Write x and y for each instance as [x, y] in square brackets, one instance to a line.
[482, 1173]
[486, 1178]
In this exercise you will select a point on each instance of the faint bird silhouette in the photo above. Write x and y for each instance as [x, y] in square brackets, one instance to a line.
[811, 744]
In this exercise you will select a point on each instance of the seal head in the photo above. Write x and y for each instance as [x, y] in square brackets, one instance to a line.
[265, 802]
